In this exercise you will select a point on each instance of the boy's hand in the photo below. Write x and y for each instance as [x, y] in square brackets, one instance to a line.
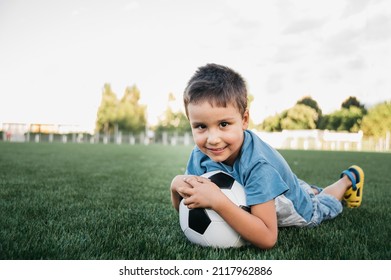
[202, 193]
[179, 189]
[179, 185]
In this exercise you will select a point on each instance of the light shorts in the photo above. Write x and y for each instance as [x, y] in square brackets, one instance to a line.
[325, 207]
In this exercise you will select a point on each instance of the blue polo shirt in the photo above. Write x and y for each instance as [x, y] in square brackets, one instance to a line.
[262, 171]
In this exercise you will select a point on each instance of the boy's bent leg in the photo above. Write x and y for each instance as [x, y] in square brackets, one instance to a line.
[338, 188]
[326, 207]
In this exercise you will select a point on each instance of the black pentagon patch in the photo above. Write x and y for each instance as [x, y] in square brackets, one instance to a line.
[198, 220]
[222, 180]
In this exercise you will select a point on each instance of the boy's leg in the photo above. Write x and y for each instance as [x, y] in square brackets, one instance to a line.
[349, 187]
[338, 188]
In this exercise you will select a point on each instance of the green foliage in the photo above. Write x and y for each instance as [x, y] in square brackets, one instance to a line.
[127, 114]
[353, 101]
[348, 118]
[172, 121]
[308, 101]
[299, 117]
[378, 120]
[271, 124]
[343, 120]
[250, 99]
[306, 114]
[131, 115]
[112, 202]
[107, 111]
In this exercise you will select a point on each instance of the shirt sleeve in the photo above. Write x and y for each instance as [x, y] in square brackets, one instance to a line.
[190, 167]
[263, 183]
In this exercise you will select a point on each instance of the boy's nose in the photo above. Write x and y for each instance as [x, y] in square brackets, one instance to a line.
[213, 138]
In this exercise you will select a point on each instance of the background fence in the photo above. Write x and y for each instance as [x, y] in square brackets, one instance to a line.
[287, 139]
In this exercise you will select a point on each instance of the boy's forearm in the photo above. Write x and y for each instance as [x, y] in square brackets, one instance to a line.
[175, 196]
[175, 199]
[249, 226]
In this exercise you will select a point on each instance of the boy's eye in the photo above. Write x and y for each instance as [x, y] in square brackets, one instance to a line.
[200, 126]
[224, 124]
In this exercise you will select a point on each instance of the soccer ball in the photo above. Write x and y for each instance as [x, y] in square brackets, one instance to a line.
[204, 226]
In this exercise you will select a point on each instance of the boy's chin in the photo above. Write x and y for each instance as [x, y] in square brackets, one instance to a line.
[215, 159]
[219, 160]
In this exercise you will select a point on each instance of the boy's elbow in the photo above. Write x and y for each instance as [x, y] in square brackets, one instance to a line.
[270, 245]
[267, 243]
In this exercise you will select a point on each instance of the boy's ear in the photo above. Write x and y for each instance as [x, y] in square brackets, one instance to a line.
[245, 119]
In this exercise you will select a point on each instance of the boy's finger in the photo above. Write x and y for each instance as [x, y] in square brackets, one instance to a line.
[201, 179]
[182, 192]
[187, 201]
[197, 179]
[191, 180]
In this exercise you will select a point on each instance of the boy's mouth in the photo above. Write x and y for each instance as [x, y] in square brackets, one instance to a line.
[216, 151]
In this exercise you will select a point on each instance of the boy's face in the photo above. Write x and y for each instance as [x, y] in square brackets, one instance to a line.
[218, 131]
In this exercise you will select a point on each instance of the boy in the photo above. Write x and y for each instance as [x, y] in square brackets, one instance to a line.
[215, 100]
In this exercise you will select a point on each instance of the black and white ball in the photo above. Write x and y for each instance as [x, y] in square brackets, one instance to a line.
[204, 226]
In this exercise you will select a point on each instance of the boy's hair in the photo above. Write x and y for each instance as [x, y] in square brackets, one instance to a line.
[217, 84]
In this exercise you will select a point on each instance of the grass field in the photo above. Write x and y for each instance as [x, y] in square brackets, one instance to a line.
[84, 201]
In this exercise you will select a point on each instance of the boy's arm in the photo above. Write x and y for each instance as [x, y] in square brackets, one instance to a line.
[175, 196]
[259, 227]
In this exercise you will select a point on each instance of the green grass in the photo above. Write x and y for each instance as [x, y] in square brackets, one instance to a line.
[84, 201]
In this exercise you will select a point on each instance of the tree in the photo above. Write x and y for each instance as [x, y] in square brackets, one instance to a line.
[127, 114]
[344, 120]
[271, 124]
[353, 101]
[304, 115]
[250, 99]
[378, 120]
[107, 111]
[173, 121]
[299, 117]
[348, 118]
[131, 115]
[323, 122]
[308, 101]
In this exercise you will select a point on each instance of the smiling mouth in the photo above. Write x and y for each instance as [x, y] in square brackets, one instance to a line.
[216, 151]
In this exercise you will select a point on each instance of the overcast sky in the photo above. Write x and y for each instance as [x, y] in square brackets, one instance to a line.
[55, 56]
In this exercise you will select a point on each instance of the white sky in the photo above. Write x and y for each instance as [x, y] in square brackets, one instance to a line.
[55, 56]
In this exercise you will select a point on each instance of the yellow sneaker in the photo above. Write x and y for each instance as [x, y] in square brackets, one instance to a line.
[353, 196]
